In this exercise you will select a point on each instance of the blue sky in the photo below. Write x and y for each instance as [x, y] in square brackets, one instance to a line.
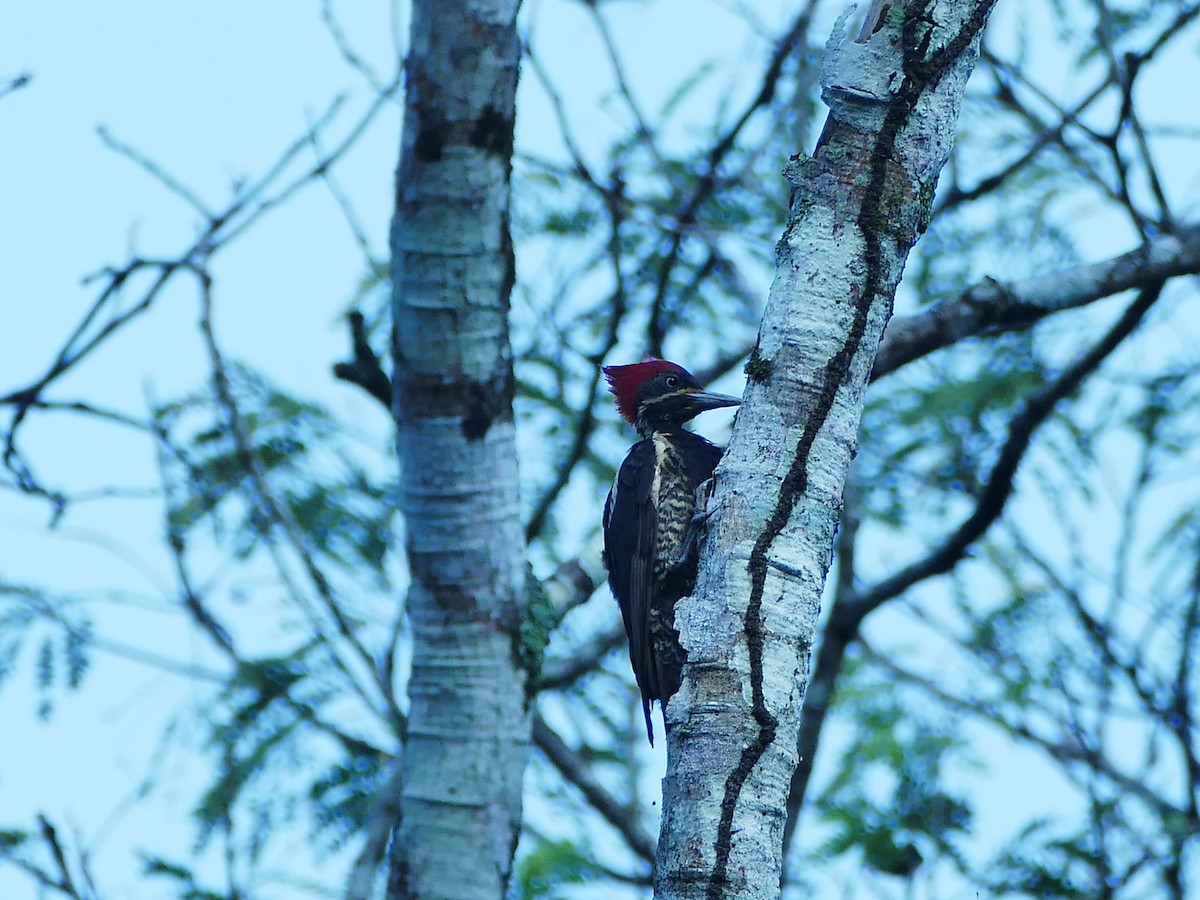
[213, 92]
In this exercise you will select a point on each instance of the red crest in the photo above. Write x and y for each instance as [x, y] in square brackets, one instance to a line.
[624, 382]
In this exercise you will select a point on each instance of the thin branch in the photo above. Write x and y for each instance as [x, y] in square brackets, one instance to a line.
[991, 500]
[1058, 750]
[350, 55]
[559, 107]
[573, 583]
[336, 155]
[1120, 77]
[1099, 633]
[992, 306]
[562, 672]
[1047, 137]
[849, 610]
[707, 184]
[621, 816]
[325, 173]
[84, 408]
[37, 602]
[221, 229]
[267, 509]
[584, 425]
[63, 881]
[617, 304]
[156, 171]
[1080, 161]
[644, 133]
[191, 601]
[1182, 720]
[1128, 71]
[364, 369]
[15, 84]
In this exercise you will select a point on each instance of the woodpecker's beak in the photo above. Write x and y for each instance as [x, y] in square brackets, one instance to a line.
[702, 401]
[678, 407]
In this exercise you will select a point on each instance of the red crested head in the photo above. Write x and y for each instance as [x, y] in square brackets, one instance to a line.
[625, 381]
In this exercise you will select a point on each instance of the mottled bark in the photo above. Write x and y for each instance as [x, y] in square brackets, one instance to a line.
[468, 729]
[857, 208]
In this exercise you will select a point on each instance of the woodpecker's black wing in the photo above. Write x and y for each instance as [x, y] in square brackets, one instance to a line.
[629, 542]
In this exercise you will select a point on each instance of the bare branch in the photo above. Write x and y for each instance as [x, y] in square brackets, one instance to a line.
[268, 510]
[155, 171]
[562, 672]
[992, 306]
[1058, 750]
[992, 498]
[849, 610]
[365, 369]
[222, 228]
[350, 55]
[621, 816]
[15, 84]
[689, 207]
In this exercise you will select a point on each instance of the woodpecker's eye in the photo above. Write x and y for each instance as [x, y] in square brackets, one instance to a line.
[672, 381]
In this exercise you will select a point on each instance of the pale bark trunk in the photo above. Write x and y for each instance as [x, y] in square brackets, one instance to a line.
[468, 726]
[857, 208]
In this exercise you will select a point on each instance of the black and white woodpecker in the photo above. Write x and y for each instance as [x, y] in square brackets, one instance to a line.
[649, 538]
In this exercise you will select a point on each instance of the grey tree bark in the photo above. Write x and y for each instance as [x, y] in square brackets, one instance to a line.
[469, 728]
[857, 208]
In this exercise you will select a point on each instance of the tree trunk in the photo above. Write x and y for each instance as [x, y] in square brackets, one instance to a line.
[468, 728]
[857, 208]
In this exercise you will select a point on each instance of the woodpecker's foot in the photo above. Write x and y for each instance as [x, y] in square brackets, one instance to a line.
[690, 552]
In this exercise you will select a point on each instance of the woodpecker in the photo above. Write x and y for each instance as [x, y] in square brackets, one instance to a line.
[649, 539]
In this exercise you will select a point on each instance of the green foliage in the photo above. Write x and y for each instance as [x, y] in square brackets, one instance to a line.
[63, 635]
[1043, 864]
[344, 797]
[182, 878]
[758, 369]
[237, 483]
[551, 867]
[263, 737]
[534, 632]
[888, 797]
[935, 434]
[11, 839]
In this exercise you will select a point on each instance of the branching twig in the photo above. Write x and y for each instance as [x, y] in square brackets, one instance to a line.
[364, 369]
[222, 228]
[848, 612]
[690, 206]
[999, 485]
[612, 196]
[1058, 750]
[267, 510]
[156, 171]
[351, 56]
[992, 306]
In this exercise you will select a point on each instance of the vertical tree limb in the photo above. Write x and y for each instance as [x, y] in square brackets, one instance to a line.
[468, 736]
[857, 208]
